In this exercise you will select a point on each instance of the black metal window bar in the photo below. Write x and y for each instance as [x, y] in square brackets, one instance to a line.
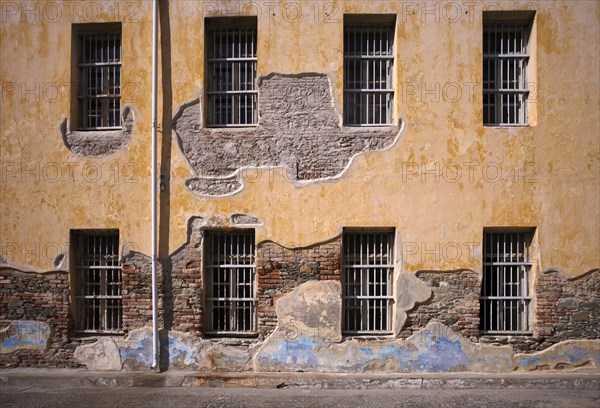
[505, 295]
[100, 80]
[505, 59]
[230, 272]
[368, 74]
[368, 264]
[98, 282]
[231, 61]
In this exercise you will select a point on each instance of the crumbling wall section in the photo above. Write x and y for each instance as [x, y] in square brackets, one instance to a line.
[137, 291]
[299, 129]
[101, 142]
[280, 270]
[454, 302]
[36, 320]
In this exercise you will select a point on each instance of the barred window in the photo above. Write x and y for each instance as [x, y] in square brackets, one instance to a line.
[100, 80]
[97, 282]
[505, 59]
[368, 73]
[231, 72]
[230, 274]
[368, 262]
[505, 295]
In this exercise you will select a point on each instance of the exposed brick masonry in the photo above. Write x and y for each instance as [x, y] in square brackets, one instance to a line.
[280, 270]
[454, 302]
[43, 298]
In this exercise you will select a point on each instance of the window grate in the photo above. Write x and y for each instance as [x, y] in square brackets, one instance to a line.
[505, 60]
[505, 289]
[230, 270]
[367, 296]
[368, 73]
[100, 80]
[98, 283]
[232, 94]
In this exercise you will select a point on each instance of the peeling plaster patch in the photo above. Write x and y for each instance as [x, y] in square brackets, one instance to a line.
[308, 334]
[183, 350]
[101, 142]
[245, 219]
[24, 335]
[566, 355]
[136, 349]
[299, 130]
[410, 291]
[214, 186]
[102, 355]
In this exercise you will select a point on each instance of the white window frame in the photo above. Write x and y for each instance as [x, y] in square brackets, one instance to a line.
[368, 74]
[505, 62]
[99, 64]
[505, 290]
[98, 282]
[230, 271]
[231, 60]
[368, 269]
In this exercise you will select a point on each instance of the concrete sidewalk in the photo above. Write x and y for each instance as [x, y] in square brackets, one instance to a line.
[30, 377]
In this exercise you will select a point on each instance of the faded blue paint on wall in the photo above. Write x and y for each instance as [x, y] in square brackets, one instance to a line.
[181, 351]
[26, 335]
[432, 350]
[137, 351]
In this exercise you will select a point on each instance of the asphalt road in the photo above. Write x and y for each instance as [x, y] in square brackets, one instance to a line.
[177, 397]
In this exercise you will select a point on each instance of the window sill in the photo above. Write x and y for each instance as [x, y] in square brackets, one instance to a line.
[511, 126]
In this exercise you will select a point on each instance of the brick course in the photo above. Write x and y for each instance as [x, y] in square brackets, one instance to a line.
[280, 270]
[43, 298]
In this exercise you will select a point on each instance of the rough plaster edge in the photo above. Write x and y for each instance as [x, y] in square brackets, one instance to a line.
[259, 223]
[297, 183]
[583, 275]
[594, 345]
[260, 346]
[64, 127]
[236, 175]
[410, 291]
[25, 269]
[565, 275]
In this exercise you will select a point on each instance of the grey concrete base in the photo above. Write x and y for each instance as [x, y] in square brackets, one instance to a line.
[30, 377]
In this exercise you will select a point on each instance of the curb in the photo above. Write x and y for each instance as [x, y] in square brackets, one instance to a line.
[84, 378]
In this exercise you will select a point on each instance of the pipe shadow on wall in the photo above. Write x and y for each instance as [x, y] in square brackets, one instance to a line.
[165, 178]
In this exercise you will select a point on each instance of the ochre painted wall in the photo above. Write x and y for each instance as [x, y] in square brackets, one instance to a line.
[549, 170]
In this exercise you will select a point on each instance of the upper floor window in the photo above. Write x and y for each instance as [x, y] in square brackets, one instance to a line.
[97, 282]
[368, 262]
[368, 71]
[231, 51]
[505, 288]
[230, 269]
[99, 66]
[505, 60]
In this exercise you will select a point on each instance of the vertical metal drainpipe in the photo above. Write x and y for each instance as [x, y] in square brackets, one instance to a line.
[155, 340]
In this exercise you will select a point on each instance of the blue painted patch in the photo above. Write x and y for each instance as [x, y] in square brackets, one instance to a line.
[527, 361]
[179, 349]
[27, 335]
[429, 352]
[138, 349]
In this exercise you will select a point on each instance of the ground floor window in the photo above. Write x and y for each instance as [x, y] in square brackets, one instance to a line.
[368, 264]
[97, 281]
[505, 290]
[229, 259]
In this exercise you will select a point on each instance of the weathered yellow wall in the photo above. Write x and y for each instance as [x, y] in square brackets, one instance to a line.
[438, 53]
